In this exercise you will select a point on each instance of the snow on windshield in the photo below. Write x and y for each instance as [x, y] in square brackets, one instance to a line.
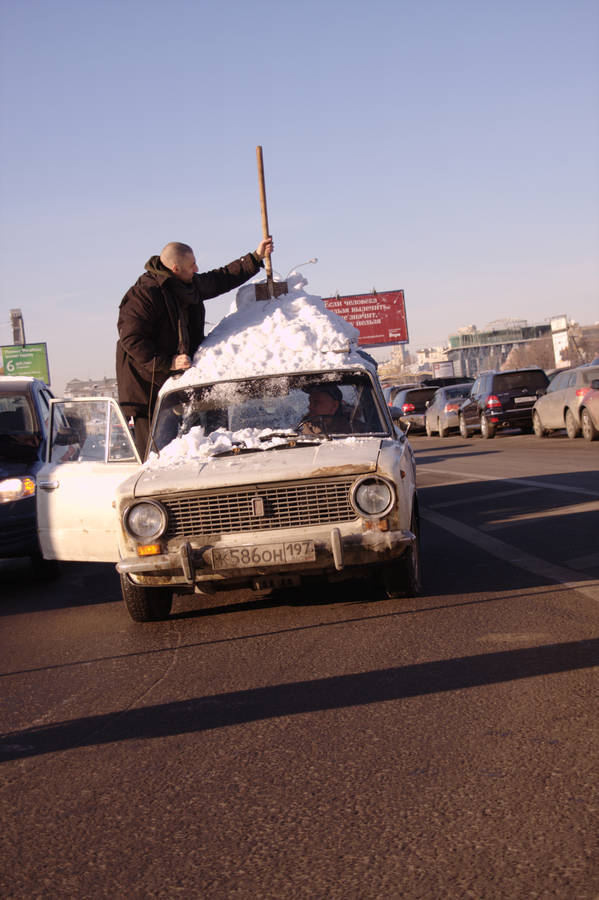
[197, 445]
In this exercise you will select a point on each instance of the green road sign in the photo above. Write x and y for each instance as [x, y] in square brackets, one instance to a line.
[29, 359]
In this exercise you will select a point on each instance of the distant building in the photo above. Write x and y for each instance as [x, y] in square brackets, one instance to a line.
[505, 343]
[473, 351]
[101, 387]
[428, 355]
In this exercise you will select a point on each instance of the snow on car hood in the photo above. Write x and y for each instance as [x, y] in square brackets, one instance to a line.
[335, 457]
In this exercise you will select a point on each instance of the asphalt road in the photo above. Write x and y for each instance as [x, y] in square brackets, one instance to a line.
[332, 745]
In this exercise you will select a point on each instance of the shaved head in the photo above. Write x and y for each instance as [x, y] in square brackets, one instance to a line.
[174, 253]
[180, 260]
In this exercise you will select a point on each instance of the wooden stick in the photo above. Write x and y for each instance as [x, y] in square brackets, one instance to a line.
[264, 211]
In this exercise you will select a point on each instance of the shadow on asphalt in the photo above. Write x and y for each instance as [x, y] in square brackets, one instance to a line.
[259, 704]
[78, 584]
[440, 457]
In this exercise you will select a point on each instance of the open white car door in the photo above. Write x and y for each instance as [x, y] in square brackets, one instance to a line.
[90, 451]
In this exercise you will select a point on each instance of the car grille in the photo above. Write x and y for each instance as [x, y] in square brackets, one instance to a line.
[261, 508]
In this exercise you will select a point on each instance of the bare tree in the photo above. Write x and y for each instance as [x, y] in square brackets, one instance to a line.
[533, 353]
[583, 344]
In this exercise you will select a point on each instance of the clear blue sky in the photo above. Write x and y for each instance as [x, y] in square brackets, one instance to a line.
[447, 148]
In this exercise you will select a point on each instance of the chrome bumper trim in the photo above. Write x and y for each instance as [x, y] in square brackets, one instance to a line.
[191, 566]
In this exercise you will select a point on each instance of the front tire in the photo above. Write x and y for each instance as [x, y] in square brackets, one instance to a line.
[487, 430]
[589, 432]
[572, 429]
[464, 428]
[427, 425]
[443, 432]
[403, 578]
[146, 604]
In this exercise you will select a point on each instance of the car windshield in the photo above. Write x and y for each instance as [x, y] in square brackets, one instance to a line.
[19, 435]
[420, 396]
[457, 392]
[250, 413]
[589, 375]
[15, 414]
[533, 380]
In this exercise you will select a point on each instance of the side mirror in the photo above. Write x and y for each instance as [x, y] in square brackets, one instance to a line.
[66, 436]
[595, 384]
[541, 391]
[394, 412]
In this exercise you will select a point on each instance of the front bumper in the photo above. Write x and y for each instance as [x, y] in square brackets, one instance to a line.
[18, 531]
[336, 551]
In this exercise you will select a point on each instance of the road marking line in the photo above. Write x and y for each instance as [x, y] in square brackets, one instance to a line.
[554, 511]
[527, 481]
[513, 555]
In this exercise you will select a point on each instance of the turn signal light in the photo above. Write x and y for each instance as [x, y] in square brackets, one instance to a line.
[149, 550]
[381, 525]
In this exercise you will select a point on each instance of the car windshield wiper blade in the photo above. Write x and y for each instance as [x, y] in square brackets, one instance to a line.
[293, 438]
[279, 434]
[298, 441]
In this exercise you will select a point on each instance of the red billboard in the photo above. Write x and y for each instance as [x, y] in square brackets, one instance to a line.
[379, 317]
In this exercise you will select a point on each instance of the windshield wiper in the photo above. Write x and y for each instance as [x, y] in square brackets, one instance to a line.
[279, 434]
[293, 439]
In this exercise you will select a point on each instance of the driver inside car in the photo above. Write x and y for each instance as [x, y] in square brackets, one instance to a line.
[326, 414]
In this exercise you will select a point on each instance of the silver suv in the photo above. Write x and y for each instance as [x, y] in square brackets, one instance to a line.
[559, 407]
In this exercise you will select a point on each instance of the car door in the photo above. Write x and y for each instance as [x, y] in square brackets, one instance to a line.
[432, 410]
[570, 399]
[89, 452]
[552, 404]
[470, 407]
[438, 402]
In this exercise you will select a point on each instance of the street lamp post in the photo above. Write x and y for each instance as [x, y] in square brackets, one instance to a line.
[295, 268]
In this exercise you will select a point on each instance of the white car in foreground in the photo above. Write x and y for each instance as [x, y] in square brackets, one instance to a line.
[241, 490]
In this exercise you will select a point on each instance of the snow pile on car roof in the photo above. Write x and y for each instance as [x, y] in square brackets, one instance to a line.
[292, 333]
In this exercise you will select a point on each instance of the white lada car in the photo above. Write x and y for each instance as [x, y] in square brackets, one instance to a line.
[249, 483]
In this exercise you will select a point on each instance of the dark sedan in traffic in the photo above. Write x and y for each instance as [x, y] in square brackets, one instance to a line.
[24, 418]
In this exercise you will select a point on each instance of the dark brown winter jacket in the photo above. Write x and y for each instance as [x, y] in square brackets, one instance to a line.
[149, 328]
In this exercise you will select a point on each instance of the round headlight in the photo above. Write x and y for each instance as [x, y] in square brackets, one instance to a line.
[146, 521]
[373, 497]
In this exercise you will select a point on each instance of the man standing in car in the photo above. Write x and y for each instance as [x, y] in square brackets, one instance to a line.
[161, 324]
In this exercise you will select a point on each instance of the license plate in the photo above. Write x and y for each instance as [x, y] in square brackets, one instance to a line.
[524, 399]
[263, 555]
